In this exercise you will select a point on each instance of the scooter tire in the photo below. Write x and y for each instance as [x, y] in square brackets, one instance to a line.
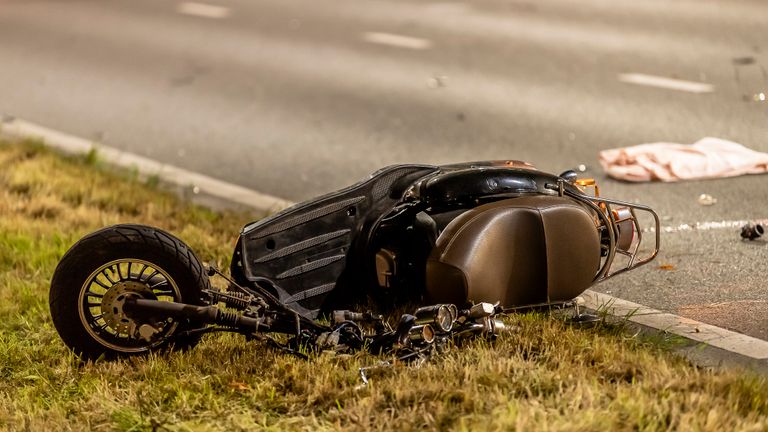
[103, 255]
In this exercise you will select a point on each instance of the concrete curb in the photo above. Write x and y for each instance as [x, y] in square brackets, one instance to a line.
[710, 346]
[208, 187]
[738, 343]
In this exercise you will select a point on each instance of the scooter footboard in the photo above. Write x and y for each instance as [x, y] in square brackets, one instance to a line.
[307, 250]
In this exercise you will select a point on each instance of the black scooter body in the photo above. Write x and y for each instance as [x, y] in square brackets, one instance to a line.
[319, 254]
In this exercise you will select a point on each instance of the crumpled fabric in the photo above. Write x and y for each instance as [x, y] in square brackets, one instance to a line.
[669, 162]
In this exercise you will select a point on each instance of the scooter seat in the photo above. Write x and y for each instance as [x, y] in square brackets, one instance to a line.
[520, 251]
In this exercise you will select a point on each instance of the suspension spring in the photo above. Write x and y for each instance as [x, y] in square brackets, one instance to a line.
[227, 318]
[234, 300]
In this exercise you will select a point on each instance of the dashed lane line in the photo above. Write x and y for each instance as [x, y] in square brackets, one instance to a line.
[203, 10]
[396, 40]
[666, 83]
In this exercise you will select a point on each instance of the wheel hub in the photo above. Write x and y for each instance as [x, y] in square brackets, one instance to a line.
[113, 301]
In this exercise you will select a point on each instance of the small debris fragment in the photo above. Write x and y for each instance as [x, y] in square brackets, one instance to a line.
[759, 97]
[707, 200]
[195, 190]
[582, 168]
[752, 232]
[437, 81]
[743, 61]
[667, 267]
[239, 386]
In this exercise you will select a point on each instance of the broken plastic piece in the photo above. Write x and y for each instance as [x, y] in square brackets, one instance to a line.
[707, 200]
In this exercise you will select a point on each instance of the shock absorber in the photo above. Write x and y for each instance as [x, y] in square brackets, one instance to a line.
[234, 300]
[206, 314]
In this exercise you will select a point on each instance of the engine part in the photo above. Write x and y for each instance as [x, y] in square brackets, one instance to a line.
[752, 231]
[440, 317]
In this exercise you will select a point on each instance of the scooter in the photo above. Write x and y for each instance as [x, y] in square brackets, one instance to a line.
[472, 240]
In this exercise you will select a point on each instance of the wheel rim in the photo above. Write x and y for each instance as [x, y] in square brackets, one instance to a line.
[101, 297]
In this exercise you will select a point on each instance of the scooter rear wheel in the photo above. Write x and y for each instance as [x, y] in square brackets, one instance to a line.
[102, 270]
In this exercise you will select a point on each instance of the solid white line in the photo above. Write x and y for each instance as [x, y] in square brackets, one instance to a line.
[203, 10]
[146, 167]
[706, 226]
[397, 40]
[690, 329]
[667, 83]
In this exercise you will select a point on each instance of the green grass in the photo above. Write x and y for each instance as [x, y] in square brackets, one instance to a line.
[547, 376]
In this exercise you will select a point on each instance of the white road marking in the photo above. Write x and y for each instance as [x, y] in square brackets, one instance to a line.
[666, 83]
[706, 226]
[203, 10]
[399, 41]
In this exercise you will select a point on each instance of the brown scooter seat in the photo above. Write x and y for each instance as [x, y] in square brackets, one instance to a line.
[520, 251]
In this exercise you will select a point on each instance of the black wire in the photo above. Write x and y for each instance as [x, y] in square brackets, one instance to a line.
[359, 332]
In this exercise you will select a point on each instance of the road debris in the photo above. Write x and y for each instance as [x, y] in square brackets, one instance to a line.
[437, 81]
[743, 61]
[752, 231]
[707, 200]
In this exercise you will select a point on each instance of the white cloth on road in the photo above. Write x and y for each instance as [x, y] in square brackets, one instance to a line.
[668, 162]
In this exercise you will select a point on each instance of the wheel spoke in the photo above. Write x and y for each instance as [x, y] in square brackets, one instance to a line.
[163, 291]
[109, 278]
[93, 294]
[100, 283]
[130, 263]
[154, 286]
[151, 275]
[141, 272]
[119, 273]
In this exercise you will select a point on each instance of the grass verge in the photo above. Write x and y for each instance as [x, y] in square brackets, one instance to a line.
[548, 376]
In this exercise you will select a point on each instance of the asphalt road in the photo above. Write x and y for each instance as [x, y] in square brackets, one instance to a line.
[299, 97]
